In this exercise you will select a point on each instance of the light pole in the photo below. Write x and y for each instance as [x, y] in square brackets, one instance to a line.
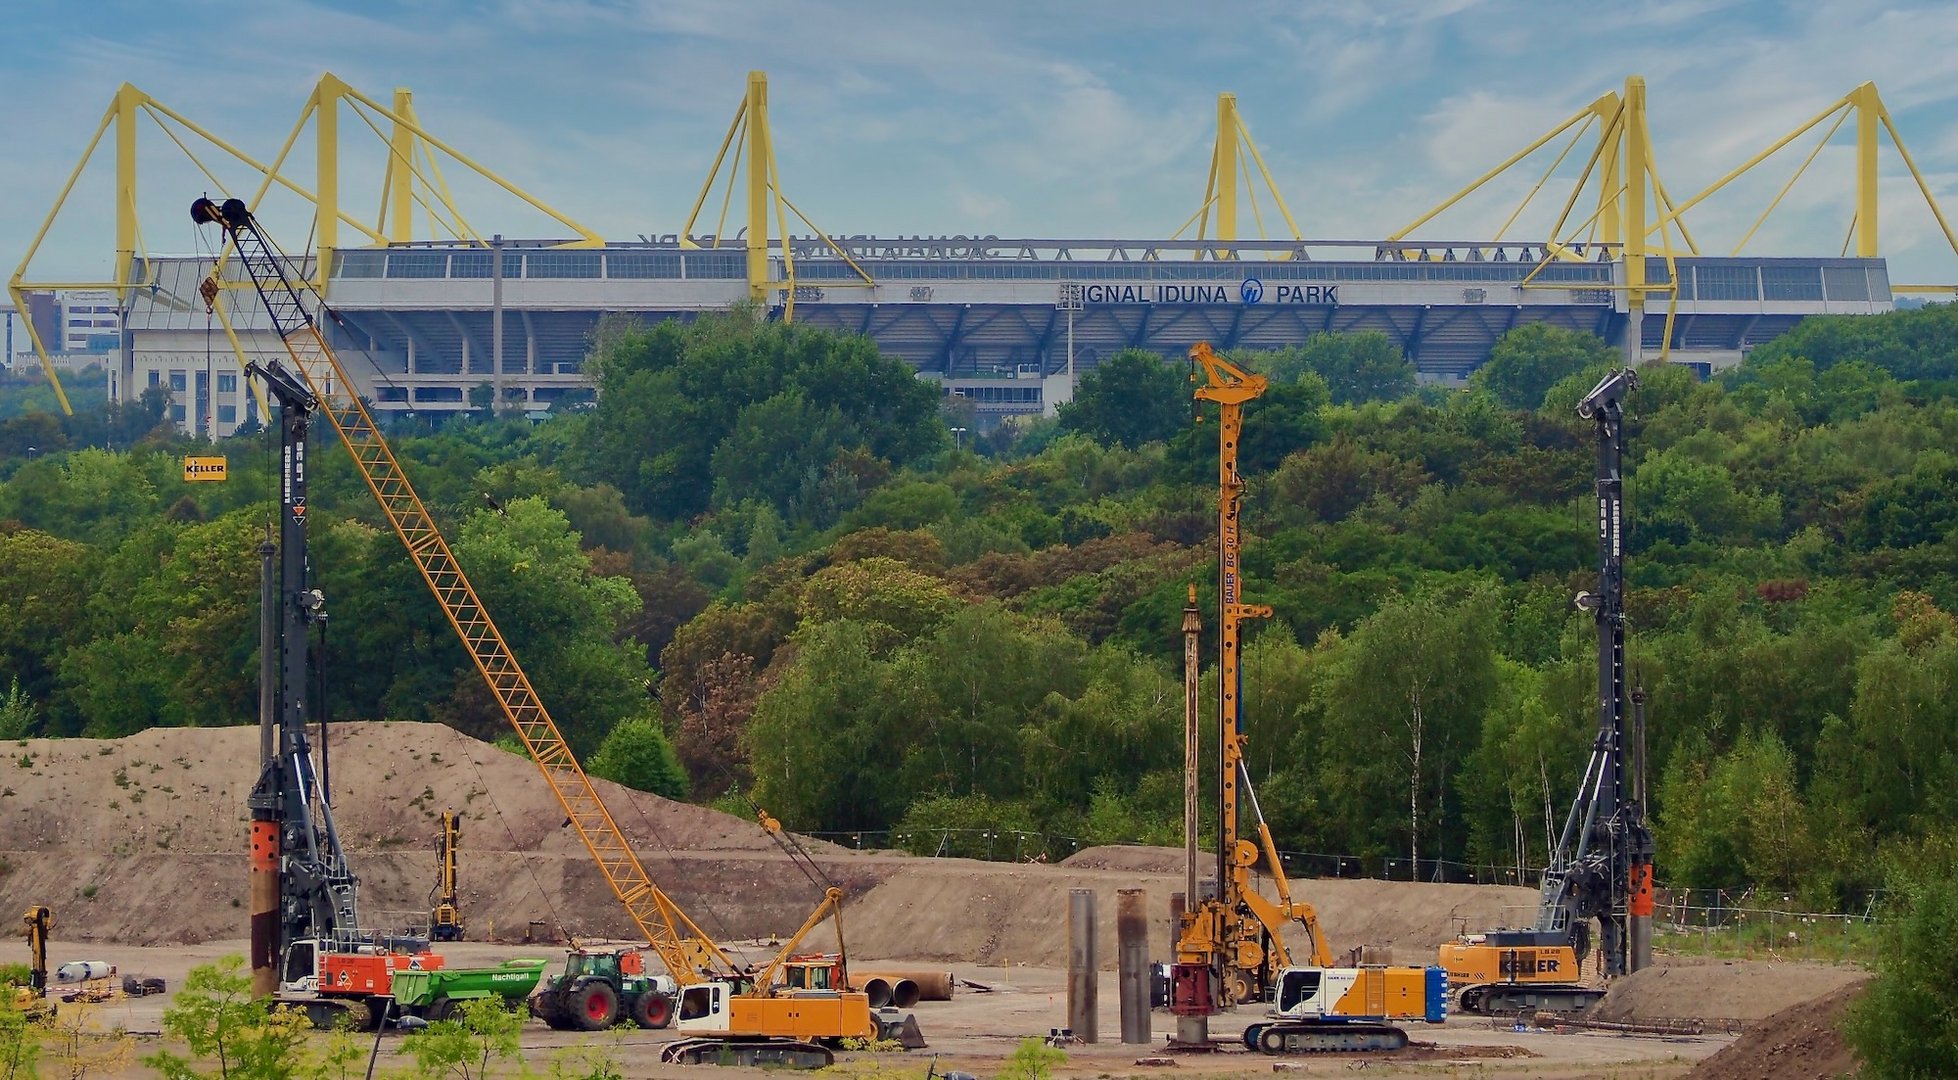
[958, 439]
[1068, 299]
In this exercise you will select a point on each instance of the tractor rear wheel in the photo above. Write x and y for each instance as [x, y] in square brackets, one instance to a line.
[652, 1010]
[594, 1006]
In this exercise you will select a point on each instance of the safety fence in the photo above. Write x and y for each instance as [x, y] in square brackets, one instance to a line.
[1742, 915]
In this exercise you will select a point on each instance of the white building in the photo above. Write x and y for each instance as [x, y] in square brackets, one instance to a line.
[90, 322]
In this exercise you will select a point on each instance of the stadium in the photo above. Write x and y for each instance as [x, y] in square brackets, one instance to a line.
[1003, 325]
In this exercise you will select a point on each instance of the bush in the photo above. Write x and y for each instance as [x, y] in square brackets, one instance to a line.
[638, 755]
[1906, 1026]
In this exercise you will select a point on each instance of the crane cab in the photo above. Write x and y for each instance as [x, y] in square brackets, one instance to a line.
[367, 970]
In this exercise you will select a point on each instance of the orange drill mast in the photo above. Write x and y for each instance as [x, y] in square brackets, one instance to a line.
[1229, 948]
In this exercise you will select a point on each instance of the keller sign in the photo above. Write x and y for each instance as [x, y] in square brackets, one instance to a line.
[203, 468]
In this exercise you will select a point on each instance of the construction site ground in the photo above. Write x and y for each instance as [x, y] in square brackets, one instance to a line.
[975, 1032]
[138, 845]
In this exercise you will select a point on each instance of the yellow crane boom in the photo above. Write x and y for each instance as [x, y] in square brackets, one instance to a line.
[292, 306]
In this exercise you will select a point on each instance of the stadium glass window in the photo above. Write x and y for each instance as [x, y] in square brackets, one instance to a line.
[646, 264]
[1791, 282]
[227, 414]
[360, 264]
[1727, 283]
[177, 413]
[227, 384]
[470, 264]
[418, 264]
[156, 377]
[562, 264]
[1846, 282]
[178, 382]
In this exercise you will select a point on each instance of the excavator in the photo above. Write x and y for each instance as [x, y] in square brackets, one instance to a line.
[727, 1012]
[1230, 948]
[1601, 868]
[32, 1000]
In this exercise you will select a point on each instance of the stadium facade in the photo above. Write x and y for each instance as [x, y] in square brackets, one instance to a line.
[997, 323]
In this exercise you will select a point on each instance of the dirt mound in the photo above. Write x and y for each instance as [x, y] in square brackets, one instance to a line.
[1138, 857]
[1737, 989]
[141, 840]
[1798, 1043]
[988, 913]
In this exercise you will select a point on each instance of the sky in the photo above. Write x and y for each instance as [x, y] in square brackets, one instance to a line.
[1014, 118]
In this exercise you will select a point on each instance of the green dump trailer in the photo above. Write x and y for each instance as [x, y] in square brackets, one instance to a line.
[435, 995]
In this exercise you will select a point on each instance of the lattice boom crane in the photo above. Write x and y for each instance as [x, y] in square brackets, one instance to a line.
[768, 1021]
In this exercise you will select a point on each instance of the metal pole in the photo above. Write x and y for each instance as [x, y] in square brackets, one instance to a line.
[1640, 928]
[268, 647]
[496, 322]
[1132, 964]
[1083, 968]
[264, 801]
[1070, 353]
[1192, 665]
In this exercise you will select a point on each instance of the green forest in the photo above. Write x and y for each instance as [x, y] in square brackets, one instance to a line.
[755, 568]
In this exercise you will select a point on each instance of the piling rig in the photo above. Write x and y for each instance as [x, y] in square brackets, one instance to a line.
[1601, 868]
[308, 948]
[1230, 948]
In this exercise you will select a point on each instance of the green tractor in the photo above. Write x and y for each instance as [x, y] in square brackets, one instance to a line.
[598, 989]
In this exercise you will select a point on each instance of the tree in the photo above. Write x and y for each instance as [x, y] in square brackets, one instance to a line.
[775, 443]
[790, 400]
[1738, 817]
[712, 718]
[1336, 478]
[1360, 366]
[637, 754]
[826, 741]
[557, 615]
[20, 1037]
[1905, 1027]
[45, 584]
[473, 1045]
[1130, 398]
[16, 712]
[1403, 704]
[879, 592]
[1527, 361]
[1282, 421]
[1910, 345]
[1032, 1060]
[218, 1021]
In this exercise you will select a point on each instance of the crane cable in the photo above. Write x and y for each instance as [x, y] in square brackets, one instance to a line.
[523, 856]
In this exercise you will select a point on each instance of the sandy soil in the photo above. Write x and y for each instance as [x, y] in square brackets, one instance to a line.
[1721, 989]
[1797, 1043]
[140, 841]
